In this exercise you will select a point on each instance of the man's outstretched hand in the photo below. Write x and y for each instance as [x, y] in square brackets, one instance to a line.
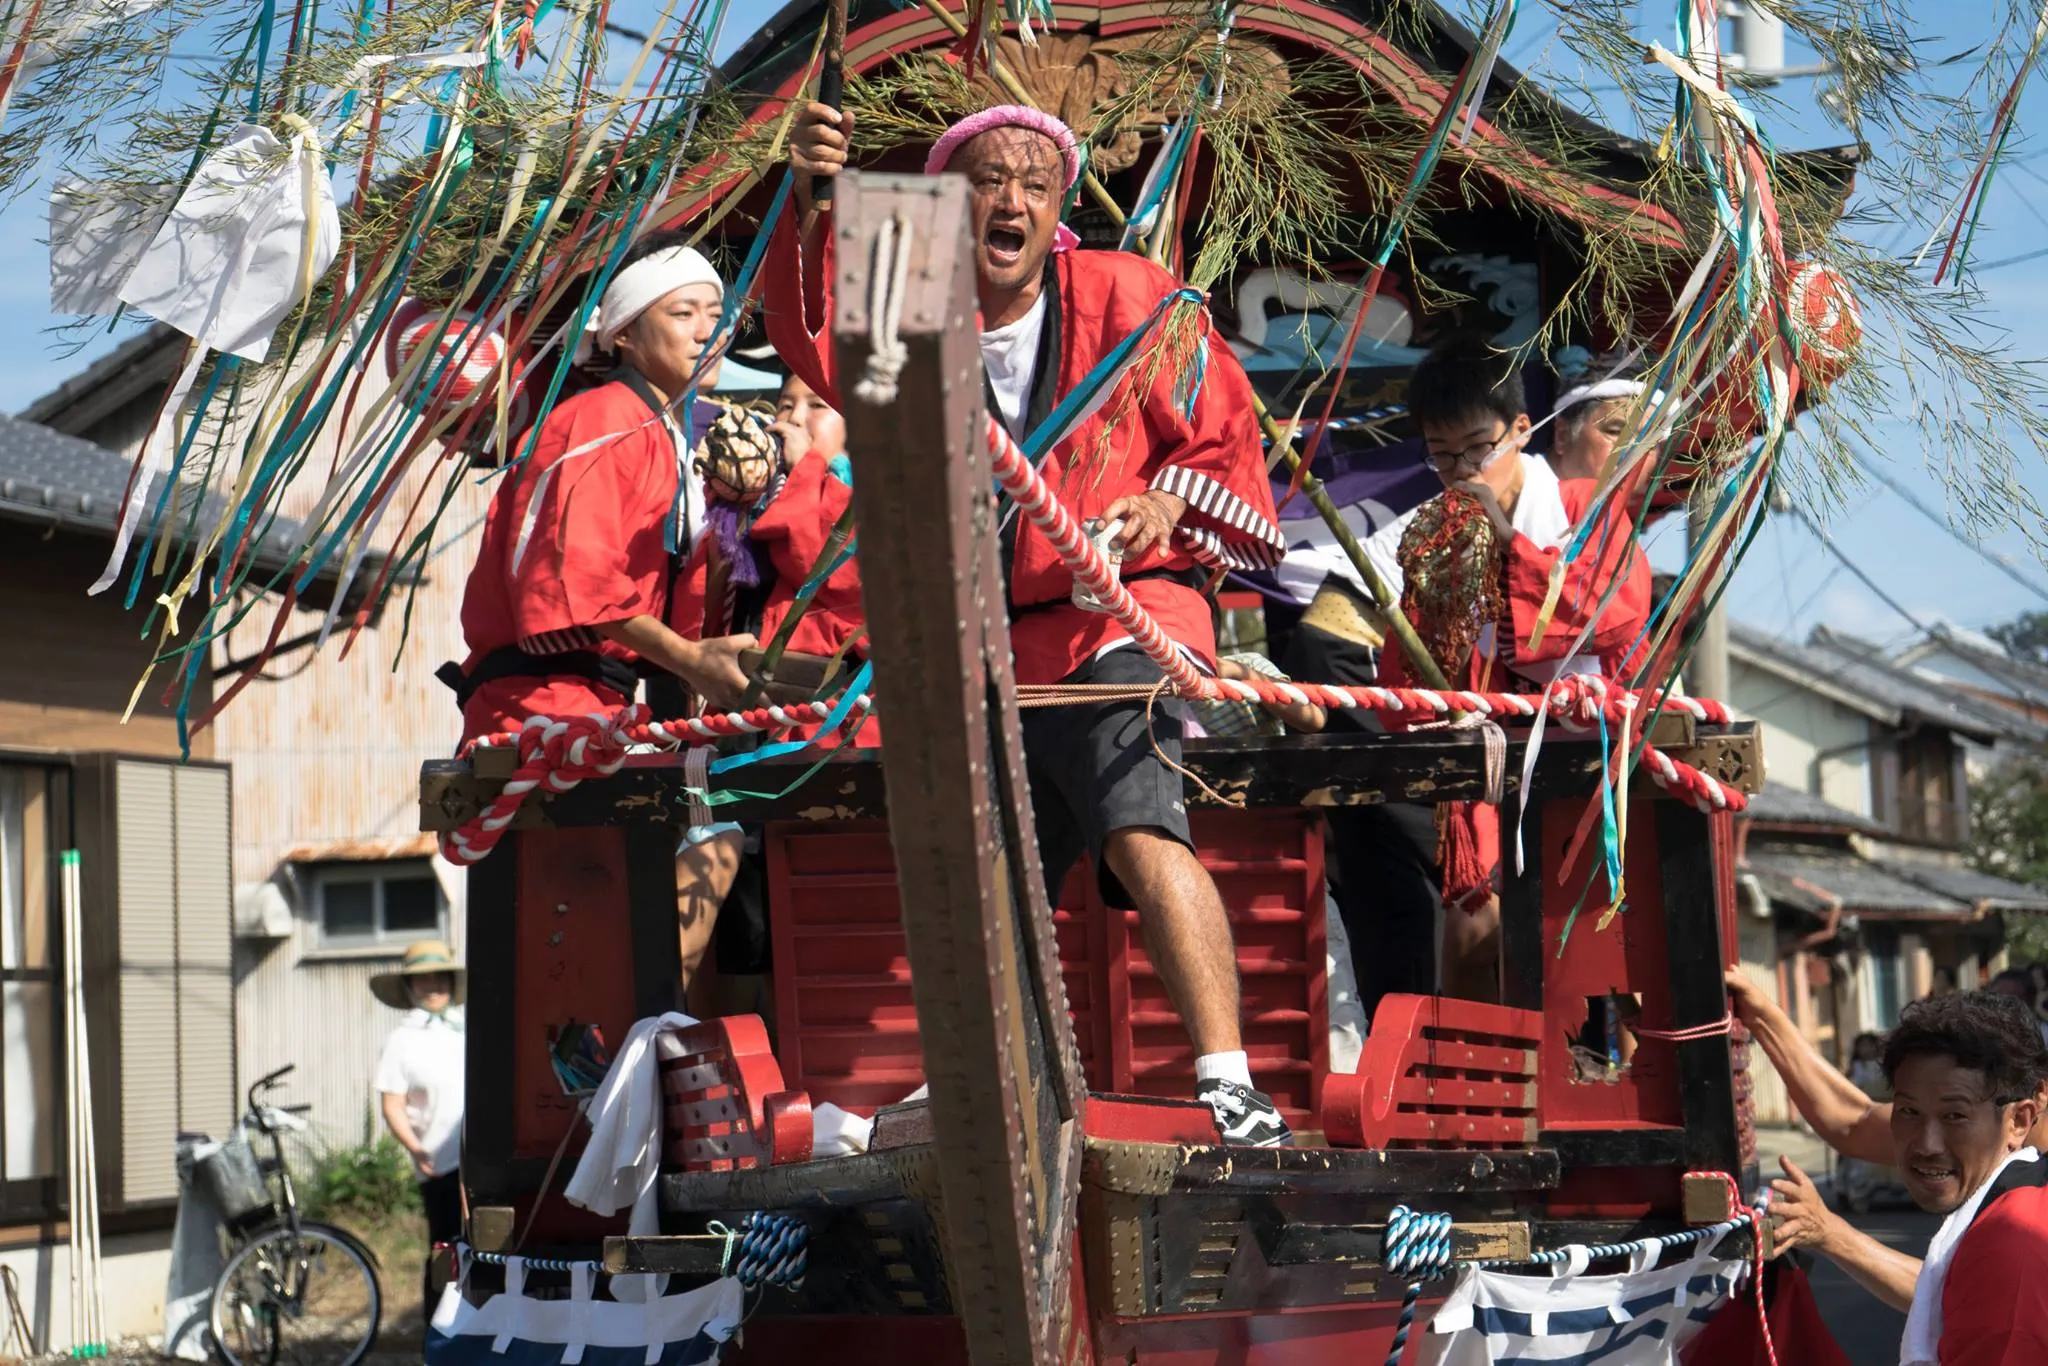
[1799, 1217]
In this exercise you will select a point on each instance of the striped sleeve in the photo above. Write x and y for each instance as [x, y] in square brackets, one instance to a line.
[1220, 528]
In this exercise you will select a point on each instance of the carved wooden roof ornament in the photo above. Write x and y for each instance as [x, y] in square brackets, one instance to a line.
[1075, 76]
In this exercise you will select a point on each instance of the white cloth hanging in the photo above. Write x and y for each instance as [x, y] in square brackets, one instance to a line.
[97, 235]
[243, 244]
[623, 1157]
[838, 1133]
[1639, 1318]
[1348, 1024]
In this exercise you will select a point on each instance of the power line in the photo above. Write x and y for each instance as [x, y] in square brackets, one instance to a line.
[2009, 261]
[1850, 565]
[1995, 561]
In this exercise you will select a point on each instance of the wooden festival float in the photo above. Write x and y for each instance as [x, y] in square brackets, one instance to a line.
[1056, 1198]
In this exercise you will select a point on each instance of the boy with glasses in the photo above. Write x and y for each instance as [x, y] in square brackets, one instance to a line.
[1473, 568]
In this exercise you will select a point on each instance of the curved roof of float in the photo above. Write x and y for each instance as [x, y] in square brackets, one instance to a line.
[1407, 73]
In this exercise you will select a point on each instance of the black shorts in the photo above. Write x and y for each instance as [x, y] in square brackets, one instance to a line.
[1093, 770]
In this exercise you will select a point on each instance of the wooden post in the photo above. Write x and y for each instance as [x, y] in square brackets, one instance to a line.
[1006, 1087]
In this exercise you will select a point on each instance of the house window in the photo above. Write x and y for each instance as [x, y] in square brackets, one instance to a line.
[363, 904]
[1930, 798]
[1886, 975]
[29, 1101]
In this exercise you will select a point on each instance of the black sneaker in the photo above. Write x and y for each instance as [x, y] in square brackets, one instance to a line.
[1244, 1117]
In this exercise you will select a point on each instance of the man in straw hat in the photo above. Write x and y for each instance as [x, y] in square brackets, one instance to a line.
[419, 1081]
[1171, 451]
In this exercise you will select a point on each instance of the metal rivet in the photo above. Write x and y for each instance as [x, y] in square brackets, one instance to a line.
[561, 908]
[555, 939]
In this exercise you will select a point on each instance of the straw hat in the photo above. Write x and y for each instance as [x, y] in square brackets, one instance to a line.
[425, 957]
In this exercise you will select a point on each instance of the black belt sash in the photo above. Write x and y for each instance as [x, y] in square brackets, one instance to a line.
[509, 661]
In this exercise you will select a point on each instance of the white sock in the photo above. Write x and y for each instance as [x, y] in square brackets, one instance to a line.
[1232, 1066]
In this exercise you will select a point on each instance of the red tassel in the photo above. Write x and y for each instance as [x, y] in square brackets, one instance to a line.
[1468, 852]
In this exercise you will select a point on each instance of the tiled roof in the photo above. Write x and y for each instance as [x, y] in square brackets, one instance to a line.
[1857, 674]
[50, 479]
[1778, 804]
[1814, 876]
[1969, 885]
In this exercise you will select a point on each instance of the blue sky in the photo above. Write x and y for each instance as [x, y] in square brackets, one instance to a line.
[1789, 582]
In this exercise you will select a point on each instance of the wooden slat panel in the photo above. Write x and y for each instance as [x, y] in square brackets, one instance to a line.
[1463, 1130]
[1478, 1095]
[148, 1012]
[1468, 1057]
[206, 1014]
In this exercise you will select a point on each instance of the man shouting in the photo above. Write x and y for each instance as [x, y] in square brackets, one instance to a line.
[1171, 450]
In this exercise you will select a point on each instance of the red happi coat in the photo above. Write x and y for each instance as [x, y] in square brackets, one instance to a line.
[1470, 846]
[789, 535]
[1211, 458]
[589, 505]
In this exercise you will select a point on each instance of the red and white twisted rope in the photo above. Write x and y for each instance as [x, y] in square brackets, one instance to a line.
[1575, 702]
[1758, 1223]
[558, 754]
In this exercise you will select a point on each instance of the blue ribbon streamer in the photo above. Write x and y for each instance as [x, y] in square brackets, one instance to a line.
[1060, 422]
[1610, 831]
[833, 720]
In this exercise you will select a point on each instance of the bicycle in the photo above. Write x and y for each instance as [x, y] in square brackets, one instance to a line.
[294, 1290]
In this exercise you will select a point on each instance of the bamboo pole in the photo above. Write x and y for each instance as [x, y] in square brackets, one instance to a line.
[842, 532]
[1404, 631]
[1383, 597]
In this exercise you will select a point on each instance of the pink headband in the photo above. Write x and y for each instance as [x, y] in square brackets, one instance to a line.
[1014, 116]
[1007, 116]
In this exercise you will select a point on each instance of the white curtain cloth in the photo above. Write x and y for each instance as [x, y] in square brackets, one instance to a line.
[1640, 1318]
[461, 1331]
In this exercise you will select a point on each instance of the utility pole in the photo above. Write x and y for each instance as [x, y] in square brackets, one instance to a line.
[1759, 46]
[1707, 676]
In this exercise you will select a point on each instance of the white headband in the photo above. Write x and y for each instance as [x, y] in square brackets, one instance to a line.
[1594, 392]
[645, 283]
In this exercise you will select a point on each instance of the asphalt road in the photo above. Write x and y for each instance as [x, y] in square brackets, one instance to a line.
[1868, 1329]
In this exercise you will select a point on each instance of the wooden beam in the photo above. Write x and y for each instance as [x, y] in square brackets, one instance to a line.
[1304, 1244]
[1337, 769]
[1698, 996]
[998, 1046]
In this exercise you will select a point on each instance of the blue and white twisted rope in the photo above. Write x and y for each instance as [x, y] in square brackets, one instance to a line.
[1416, 1244]
[770, 1249]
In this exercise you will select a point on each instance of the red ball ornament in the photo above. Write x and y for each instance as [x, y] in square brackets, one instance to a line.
[466, 355]
[1826, 319]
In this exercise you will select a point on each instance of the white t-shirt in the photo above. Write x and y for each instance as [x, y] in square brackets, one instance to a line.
[1010, 355]
[422, 1061]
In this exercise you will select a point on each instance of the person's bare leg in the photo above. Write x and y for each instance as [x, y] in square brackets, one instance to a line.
[704, 874]
[1187, 933]
[1471, 959]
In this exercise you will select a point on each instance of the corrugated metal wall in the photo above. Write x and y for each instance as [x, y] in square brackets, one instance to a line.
[329, 752]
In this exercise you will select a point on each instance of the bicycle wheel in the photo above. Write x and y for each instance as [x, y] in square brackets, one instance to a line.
[297, 1299]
